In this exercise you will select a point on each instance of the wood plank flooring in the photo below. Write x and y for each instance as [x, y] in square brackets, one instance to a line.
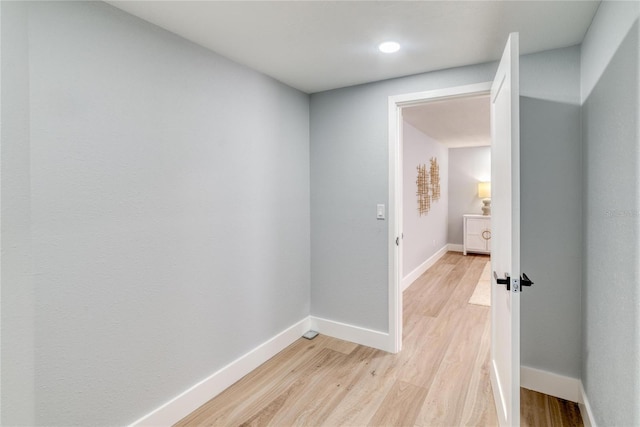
[539, 409]
[440, 378]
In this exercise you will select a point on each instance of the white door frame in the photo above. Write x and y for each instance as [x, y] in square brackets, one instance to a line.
[396, 104]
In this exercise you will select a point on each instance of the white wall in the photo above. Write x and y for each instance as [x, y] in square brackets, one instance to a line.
[155, 213]
[611, 211]
[467, 167]
[423, 235]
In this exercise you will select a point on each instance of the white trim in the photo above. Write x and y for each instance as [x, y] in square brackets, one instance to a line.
[417, 98]
[419, 270]
[395, 226]
[355, 334]
[454, 247]
[585, 409]
[498, 396]
[395, 105]
[566, 388]
[189, 400]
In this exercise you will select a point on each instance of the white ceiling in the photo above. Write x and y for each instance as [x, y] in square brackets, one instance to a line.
[321, 45]
[456, 122]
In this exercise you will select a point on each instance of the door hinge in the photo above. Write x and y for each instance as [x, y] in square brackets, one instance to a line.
[397, 241]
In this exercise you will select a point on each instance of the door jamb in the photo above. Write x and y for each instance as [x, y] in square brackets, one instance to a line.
[396, 104]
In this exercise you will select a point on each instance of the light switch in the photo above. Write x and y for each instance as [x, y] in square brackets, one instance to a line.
[380, 214]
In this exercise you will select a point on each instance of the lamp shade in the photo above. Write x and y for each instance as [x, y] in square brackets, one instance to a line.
[484, 190]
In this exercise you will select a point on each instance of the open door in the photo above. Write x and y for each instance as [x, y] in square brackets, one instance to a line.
[505, 235]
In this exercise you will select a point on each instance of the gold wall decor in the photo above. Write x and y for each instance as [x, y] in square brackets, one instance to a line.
[434, 174]
[428, 183]
[424, 201]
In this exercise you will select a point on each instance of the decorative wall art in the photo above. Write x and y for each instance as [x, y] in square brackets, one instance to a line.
[428, 183]
[434, 174]
[424, 201]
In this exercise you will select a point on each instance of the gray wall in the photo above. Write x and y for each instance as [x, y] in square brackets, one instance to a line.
[467, 167]
[349, 175]
[153, 192]
[17, 403]
[424, 235]
[155, 213]
[611, 156]
[551, 176]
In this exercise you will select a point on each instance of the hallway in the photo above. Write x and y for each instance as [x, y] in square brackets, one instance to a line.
[440, 378]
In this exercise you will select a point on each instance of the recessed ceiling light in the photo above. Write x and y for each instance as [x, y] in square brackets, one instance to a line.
[389, 47]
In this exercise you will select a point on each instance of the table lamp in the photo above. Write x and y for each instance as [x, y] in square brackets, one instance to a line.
[484, 192]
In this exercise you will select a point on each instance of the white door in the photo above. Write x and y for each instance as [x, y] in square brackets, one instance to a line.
[505, 220]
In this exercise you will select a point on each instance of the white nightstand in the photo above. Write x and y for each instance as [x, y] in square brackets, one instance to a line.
[477, 233]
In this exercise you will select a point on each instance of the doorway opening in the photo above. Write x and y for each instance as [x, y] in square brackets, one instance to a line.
[409, 108]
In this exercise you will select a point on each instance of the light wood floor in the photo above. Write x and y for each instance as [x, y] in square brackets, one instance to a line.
[440, 378]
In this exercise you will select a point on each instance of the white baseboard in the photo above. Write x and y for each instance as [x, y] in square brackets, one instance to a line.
[585, 409]
[188, 401]
[566, 388]
[356, 334]
[418, 271]
[182, 405]
[453, 247]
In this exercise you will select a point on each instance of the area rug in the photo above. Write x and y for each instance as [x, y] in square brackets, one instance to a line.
[482, 292]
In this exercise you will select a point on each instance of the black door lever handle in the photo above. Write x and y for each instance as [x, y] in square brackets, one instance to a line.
[505, 281]
[525, 281]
